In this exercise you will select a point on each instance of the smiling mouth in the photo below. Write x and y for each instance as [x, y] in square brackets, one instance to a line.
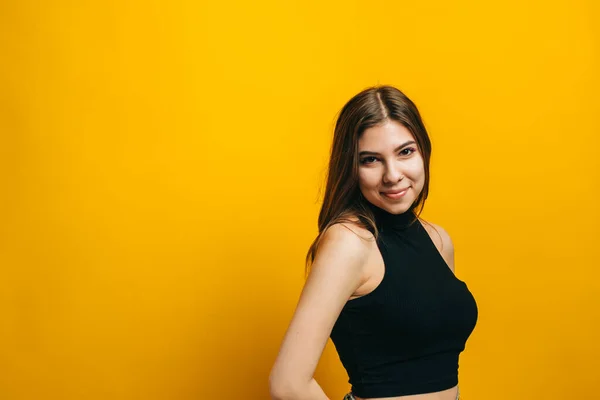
[396, 194]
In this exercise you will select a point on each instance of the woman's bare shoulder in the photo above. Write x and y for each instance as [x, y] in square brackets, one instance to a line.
[352, 224]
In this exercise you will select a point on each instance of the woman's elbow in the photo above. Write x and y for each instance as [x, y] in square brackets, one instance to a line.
[282, 388]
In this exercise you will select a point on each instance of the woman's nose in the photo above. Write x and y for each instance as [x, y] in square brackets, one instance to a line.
[392, 175]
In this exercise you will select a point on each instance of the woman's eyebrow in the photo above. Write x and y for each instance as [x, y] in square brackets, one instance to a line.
[364, 153]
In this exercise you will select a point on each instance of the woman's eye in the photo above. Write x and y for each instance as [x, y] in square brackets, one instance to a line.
[368, 160]
[410, 149]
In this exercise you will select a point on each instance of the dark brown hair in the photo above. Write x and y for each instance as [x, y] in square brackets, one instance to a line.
[343, 200]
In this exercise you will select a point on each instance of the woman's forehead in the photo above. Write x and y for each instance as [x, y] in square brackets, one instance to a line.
[382, 137]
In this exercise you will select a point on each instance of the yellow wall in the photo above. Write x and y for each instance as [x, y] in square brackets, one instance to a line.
[160, 166]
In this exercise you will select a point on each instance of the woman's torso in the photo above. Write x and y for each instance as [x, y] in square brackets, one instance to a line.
[374, 275]
[448, 394]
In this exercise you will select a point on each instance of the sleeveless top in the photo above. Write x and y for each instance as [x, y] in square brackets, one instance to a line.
[405, 336]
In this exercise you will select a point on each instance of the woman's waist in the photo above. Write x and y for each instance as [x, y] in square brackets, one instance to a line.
[452, 393]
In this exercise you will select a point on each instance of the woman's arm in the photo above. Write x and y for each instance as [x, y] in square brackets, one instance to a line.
[335, 274]
[310, 391]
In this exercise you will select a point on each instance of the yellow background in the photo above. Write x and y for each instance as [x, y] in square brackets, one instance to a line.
[161, 164]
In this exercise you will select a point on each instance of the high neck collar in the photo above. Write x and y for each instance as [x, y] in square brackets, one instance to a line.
[386, 220]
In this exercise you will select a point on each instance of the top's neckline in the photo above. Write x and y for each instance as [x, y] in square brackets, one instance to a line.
[384, 219]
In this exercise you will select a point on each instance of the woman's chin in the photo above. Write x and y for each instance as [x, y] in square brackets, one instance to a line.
[395, 207]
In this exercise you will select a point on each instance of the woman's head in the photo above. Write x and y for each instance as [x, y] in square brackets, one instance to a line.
[380, 145]
[391, 169]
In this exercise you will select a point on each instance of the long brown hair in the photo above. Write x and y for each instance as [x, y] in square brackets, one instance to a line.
[343, 200]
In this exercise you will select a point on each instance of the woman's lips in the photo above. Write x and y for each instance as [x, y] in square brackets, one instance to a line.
[396, 194]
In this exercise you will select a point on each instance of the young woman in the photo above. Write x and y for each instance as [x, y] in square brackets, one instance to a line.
[381, 281]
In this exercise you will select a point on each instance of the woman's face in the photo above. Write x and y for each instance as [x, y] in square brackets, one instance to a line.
[391, 173]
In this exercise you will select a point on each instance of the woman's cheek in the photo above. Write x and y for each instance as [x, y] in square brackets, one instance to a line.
[415, 166]
[368, 178]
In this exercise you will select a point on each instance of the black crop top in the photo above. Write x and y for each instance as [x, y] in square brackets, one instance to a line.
[406, 335]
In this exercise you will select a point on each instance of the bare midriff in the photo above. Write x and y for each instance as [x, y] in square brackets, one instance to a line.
[448, 394]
